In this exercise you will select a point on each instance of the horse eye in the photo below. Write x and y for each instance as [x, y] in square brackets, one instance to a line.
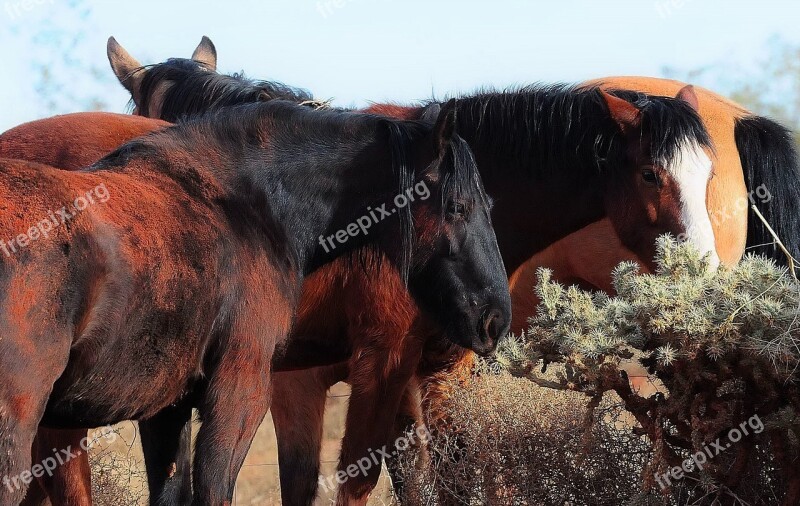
[650, 177]
[456, 209]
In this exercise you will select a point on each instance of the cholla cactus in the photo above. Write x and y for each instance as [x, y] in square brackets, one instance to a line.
[724, 343]
[683, 310]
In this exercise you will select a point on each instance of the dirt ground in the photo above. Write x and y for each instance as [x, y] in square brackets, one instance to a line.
[258, 484]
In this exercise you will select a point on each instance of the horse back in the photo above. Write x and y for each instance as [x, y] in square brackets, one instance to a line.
[74, 141]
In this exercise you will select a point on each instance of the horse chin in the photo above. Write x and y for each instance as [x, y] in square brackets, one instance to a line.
[466, 332]
[484, 349]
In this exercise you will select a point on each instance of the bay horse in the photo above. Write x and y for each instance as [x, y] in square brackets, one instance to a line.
[755, 163]
[131, 279]
[511, 165]
[78, 140]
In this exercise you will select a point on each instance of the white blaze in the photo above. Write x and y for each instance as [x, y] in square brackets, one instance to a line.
[691, 170]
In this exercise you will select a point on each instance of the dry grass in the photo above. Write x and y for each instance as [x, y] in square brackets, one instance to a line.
[511, 442]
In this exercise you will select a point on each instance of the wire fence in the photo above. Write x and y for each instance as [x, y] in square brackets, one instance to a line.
[273, 465]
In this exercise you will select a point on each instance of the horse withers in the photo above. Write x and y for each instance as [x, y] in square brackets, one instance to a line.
[188, 276]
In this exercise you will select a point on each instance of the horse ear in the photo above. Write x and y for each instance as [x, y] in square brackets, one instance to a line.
[125, 66]
[445, 127]
[688, 95]
[627, 115]
[431, 113]
[206, 53]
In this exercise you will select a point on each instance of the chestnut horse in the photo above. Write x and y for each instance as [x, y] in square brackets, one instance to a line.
[80, 140]
[243, 182]
[676, 135]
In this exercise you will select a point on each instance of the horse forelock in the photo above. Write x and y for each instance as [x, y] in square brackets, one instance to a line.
[679, 142]
[459, 180]
[463, 181]
[671, 125]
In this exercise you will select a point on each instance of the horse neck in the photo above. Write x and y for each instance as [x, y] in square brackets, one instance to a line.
[539, 198]
[404, 112]
[310, 197]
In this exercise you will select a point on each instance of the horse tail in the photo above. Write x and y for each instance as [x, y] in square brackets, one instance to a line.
[772, 174]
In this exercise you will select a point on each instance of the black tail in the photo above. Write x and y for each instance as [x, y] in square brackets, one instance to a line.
[772, 175]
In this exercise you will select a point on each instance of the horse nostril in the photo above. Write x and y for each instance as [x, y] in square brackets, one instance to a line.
[494, 324]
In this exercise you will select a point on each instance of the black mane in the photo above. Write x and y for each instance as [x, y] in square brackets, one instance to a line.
[196, 89]
[670, 123]
[541, 129]
[327, 137]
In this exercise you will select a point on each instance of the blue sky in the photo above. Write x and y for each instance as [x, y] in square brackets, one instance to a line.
[401, 50]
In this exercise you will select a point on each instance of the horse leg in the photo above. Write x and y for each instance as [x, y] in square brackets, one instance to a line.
[70, 483]
[36, 495]
[409, 417]
[379, 378]
[28, 378]
[167, 448]
[298, 410]
[232, 407]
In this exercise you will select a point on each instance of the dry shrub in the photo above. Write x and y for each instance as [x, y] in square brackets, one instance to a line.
[509, 441]
[722, 343]
[116, 481]
[118, 475]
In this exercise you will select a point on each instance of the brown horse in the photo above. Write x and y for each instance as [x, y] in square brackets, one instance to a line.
[454, 253]
[754, 164]
[174, 88]
[79, 140]
[70, 484]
